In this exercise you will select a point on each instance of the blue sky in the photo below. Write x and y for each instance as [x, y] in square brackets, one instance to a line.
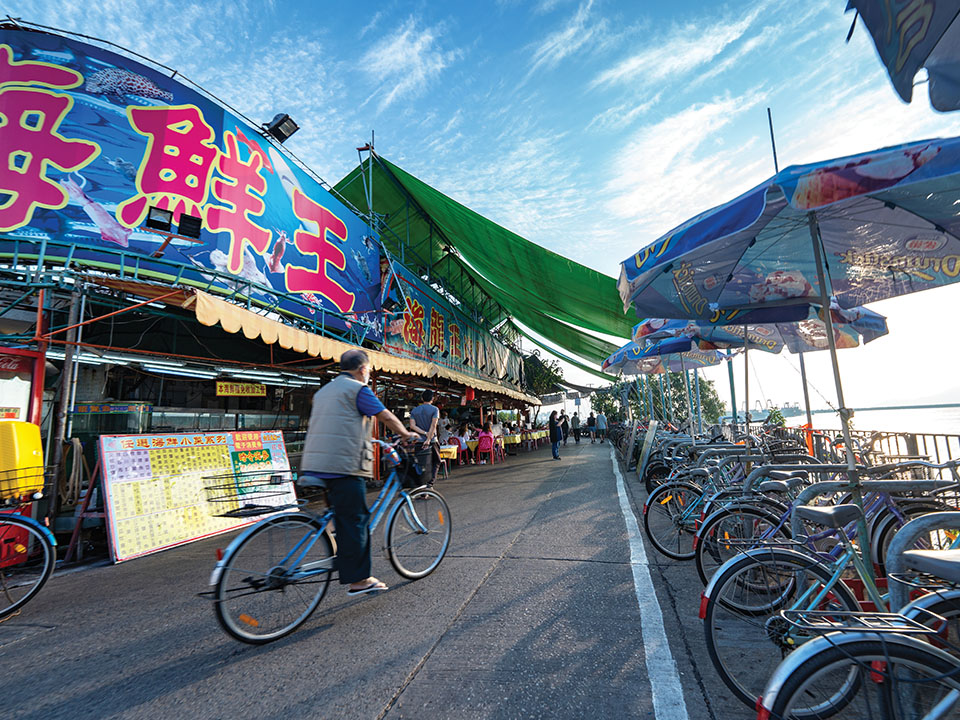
[588, 126]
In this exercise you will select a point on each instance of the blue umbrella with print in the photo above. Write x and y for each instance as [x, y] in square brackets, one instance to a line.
[809, 335]
[912, 35]
[860, 228]
[668, 355]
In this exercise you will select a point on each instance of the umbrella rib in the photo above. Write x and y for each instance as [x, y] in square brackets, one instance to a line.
[750, 245]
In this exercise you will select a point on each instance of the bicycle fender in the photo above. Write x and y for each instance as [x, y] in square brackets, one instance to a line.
[792, 662]
[711, 586]
[43, 529]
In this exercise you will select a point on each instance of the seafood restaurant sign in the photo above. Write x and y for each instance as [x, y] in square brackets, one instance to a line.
[90, 140]
[425, 326]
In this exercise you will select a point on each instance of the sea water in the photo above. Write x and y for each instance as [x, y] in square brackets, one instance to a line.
[941, 420]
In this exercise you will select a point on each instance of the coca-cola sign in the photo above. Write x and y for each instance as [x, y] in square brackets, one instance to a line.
[15, 364]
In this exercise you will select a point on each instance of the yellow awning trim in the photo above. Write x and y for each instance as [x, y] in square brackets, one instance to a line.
[233, 318]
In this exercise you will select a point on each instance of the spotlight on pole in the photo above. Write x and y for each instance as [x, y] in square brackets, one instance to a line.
[282, 126]
[159, 219]
[189, 226]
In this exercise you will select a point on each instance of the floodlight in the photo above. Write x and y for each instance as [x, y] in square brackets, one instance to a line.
[159, 219]
[282, 126]
[189, 226]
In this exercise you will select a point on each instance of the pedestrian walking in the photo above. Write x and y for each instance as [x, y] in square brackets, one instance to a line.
[338, 455]
[592, 428]
[601, 425]
[556, 435]
[425, 420]
[565, 427]
[575, 426]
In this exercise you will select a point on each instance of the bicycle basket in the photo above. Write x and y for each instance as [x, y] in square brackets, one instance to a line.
[410, 470]
[21, 482]
[245, 494]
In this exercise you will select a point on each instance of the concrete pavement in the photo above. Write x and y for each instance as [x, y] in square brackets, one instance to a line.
[532, 614]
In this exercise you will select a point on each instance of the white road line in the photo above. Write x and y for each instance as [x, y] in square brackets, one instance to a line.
[668, 703]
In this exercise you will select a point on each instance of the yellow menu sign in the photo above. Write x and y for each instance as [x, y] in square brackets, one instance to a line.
[240, 389]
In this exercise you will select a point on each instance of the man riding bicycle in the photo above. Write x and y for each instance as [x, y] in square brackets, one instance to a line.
[338, 455]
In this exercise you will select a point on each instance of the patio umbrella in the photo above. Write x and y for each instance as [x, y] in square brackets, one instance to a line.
[668, 355]
[809, 335]
[860, 228]
[909, 36]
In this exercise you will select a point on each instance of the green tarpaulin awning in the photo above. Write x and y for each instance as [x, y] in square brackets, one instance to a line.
[477, 260]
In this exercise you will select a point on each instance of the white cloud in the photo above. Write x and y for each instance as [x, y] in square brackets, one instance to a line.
[566, 41]
[667, 171]
[405, 63]
[371, 24]
[621, 116]
[686, 48]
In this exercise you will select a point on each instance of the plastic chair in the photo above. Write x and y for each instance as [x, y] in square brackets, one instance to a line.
[486, 446]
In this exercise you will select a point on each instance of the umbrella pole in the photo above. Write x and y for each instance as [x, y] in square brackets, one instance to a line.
[649, 384]
[806, 390]
[855, 488]
[746, 388]
[733, 393]
[686, 384]
[696, 378]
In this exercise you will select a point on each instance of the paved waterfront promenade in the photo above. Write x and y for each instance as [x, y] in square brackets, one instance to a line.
[533, 614]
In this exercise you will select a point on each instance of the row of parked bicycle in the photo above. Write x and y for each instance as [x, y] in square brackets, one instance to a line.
[827, 594]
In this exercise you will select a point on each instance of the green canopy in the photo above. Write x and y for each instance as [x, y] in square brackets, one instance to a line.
[567, 358]
[495, 273]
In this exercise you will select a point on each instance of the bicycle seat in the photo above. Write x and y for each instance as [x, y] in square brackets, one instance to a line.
[786, 476]
[780, 486]
[834, 516]
[942, 563]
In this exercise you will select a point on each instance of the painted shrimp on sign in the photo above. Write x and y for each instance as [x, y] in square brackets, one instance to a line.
[90, 141]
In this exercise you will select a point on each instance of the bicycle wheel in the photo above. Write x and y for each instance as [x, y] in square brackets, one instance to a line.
[723, 535]
[745, 635]
[668, 519]
[275, 578]
[418, 533]
[27, 558]
[892, 680]
[655, 474]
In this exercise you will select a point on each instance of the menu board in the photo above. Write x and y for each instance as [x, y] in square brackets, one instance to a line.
[167, 490]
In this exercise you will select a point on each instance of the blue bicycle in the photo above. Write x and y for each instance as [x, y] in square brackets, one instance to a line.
[273, 576]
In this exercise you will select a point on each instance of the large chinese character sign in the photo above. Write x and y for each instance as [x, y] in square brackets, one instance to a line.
[91, 140]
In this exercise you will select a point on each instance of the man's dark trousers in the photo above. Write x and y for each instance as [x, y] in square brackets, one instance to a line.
[348, 495]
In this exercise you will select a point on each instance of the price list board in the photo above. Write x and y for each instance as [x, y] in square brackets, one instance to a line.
[166, 490]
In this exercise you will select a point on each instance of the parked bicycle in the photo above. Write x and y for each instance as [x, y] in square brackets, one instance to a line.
[28, 550]
[273, 576]
[876, 666]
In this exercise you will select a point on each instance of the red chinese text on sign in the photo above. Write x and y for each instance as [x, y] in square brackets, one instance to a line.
[29, 139]
[177, 164]
[242, 191]
[454, 340]
[436, 330]
[304, 280]
[413, 323]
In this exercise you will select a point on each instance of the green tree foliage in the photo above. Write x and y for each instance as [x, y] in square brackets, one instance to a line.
[675, 407]
[607, 401]
[541, 375]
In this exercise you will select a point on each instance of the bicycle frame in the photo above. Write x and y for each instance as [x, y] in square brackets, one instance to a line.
[392, 488]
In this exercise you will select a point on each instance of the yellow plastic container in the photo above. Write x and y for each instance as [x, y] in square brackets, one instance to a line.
[21, 459]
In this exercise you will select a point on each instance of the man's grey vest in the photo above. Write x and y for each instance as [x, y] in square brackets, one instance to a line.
[338, 436]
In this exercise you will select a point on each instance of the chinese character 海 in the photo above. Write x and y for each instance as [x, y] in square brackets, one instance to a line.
[30, 118]
[413, 323]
